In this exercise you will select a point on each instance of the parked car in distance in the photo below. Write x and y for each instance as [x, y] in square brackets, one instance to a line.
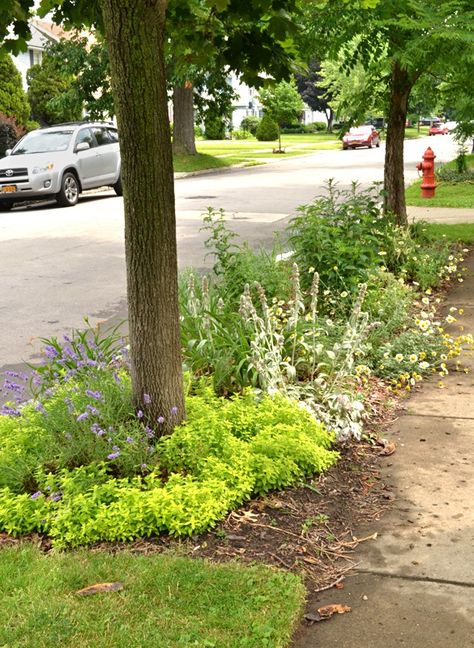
[438, 129]
[60, 162]
[361, 136]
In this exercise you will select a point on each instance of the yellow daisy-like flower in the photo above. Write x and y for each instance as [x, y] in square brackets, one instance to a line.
[413, 357]
[399, 357]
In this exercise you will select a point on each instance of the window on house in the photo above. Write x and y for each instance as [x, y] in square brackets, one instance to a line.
[36, 56]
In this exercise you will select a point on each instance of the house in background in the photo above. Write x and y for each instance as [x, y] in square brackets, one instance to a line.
[247, 104]
[42, 33]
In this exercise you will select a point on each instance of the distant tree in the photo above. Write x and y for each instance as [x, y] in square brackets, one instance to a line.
[317, 97]
[50, 93]
[282, 103]
[86, 64]
[13, 99]
[416, 37]
[356, 93]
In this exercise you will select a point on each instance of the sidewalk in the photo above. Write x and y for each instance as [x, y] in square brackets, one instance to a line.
[414, 586]
[440, 214]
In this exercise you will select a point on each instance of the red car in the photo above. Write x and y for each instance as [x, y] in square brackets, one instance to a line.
[361, 136]
[438, 129]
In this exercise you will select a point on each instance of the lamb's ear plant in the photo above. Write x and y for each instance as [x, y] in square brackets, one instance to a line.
[276, 351]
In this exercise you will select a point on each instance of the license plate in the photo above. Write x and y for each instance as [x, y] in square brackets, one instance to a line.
[8, 189]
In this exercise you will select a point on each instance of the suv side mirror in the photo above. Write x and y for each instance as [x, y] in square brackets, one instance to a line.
[8, 152]
[82, 146]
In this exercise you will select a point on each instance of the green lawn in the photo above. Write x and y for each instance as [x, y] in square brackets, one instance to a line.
[458, 194]
[454, 233]
[167, 602]
[223, 153]
[412, 132]
[447, 195]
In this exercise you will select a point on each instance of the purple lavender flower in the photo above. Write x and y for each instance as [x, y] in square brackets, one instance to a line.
[129, 439]
[92, 363]
[12, 374]
[36, 495]
[97, 430]
[149, 432]
[82, 417]
[37, 380]
[146, 399]
[143, 466]
[9, 411]
[114, 455]
[174, 410]
[66, 338]
[40, 408]
[13, 386]
[55, 497]
[139, 414]
[117, 378]
[150, 449]
[93, 410]
[96, 395]
[161, 420]
[69, 404]
[50, 351]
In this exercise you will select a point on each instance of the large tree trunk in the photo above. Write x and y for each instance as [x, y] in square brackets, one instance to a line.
[135, 37]
[183, 120]
[394, 181]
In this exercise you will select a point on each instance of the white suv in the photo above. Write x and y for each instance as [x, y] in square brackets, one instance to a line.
[60, 161]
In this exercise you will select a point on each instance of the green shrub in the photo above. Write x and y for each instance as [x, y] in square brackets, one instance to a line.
[224, 453]
[250, 124]
[267, 130]
[214, 127]
[10, 133]
[294, 129]
[13, 100]
[317, 127]
[240, 134]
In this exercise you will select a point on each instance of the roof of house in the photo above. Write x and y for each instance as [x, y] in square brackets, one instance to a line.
[50, 30]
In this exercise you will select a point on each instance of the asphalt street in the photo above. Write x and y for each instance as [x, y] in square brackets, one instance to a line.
[58, 265]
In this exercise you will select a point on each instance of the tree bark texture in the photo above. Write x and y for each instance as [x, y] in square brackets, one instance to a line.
[135, 36]
[394, 182]
[183, 120]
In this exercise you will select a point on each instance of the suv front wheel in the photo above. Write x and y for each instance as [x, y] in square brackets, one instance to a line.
[69, 193]
[5, 205]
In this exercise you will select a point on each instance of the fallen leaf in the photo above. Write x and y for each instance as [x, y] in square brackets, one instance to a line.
[339, 585]
[388, 447]
[100, 587]
[326, 611]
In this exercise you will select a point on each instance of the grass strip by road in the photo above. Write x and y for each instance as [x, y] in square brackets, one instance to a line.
[215, 154]
[448, 194]
[462, 233]
[165, 602]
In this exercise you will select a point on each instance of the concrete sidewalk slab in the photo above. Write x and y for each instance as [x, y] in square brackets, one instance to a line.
[440, 214]
[415, 581]
[397, 613]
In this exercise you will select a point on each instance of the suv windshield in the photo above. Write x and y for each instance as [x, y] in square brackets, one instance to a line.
[43, 142]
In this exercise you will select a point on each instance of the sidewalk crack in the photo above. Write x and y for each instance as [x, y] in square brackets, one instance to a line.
[422, 579]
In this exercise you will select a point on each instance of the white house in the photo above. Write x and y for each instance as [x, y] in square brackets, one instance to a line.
[247, 104]
[42, 33]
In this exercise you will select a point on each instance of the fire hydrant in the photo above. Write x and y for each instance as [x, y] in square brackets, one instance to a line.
[427, 167]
